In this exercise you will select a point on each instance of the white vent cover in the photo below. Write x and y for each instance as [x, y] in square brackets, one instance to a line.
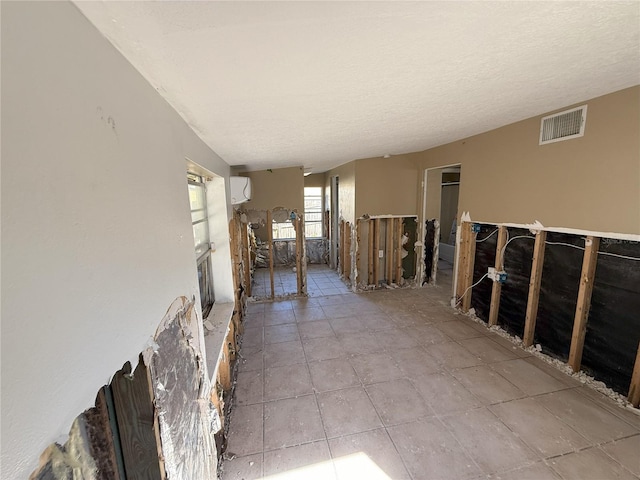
[563, 125]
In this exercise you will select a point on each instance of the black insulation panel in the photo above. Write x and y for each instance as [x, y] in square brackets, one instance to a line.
[613, 327]
[486, 241]
[559, 293]
[517, 263]
[429, 244]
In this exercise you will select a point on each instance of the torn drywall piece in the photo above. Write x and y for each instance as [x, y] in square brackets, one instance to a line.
[535, 227]
[185, 426]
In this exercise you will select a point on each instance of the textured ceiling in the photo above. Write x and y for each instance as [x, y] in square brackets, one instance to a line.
[273, 84]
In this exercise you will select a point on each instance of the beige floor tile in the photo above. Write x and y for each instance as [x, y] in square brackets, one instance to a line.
[311, 461]
[375, 367]
[429, 451]
[359, 343]
[245, 430]
[316, 329]
[243, 468]
[444, 394]
[281, 354]
[346, 325]
[626, 452]
[253, 337]
[397, 401]
[451, 355]
[590, 464]
[528, 378]
[291, 421]
[249, 387]
[333, 374]
[279, 317]
[370, 455]
[585, 417]
[488, 441]
[309, 314]
[487, 350]
[538, 428]
[415, 361]
[396, 338]
[487, 385]
[375, 321]
[250, 359]
[347, 411]
[281, 333]
[457, 330]
[537, 471]
[323, 348]
[287, 381]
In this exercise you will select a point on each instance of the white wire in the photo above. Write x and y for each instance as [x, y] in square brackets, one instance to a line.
[465, 292]
[480, 241]
[599, 253]
[505, 246]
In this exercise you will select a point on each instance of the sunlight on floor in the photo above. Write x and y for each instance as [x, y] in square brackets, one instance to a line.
[355, 466]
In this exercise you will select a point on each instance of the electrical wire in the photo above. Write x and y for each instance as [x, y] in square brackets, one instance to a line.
[599, 253]
[465, 292]
[480, 241]
[508, 242]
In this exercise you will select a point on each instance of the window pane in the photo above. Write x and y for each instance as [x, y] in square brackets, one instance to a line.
[312, 203]
[201, 237]
[197, 215]
[205, 282]
[308, 191]
[313, 217]
[283, 231]
[313, 230]
[196, 197]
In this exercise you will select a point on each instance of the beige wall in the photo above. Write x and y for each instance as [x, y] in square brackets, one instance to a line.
[280, 187]
[590, 183]
[386, 186]
[434, 187]
[346, 189]
[314, 180]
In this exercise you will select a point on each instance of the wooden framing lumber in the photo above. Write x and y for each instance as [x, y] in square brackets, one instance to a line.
[388, 260]
[302, 273]
[634, 388]
[398, 222]
[347, 253]
[376, 250]
[584, 301]
[370, 233]
[298, 252]
[465, 266]
[341, 259]
[246, 255]
[270, 240]
[497, 286]
[534, 289]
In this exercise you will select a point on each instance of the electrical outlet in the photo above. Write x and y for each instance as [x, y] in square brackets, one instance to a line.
[497, 276]
[380, 253]
[475, 227]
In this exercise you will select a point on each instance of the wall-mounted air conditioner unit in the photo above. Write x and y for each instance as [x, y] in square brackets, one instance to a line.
[240, 190]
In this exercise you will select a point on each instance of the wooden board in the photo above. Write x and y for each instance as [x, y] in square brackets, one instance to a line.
[270, 240]
[534, 288]
[584, 301]
[398, 222]
[497, 287]
[388, 260]
[634, 388]
[462, 259]
[468, 268]
[133, 402]
[376, 250]
[370, 260]
[246, 258]
[347, 253]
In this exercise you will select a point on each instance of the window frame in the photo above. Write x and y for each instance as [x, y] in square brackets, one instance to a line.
[319, 211]
[203, 257]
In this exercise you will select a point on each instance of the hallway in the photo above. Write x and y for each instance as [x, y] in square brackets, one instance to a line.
[393, 384]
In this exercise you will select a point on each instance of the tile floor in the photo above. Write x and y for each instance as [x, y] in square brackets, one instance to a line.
[321, 282]
[395, 385]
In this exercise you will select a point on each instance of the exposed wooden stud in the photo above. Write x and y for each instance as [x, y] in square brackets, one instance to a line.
[303, 258]
[497, 286]
[398, 222]
[341, 256]
[270, 240]
[634, 388]
[468, 271]
[359, 228]
[246, 255]
[462, 260]
[534, 289]
[347, 253]
[584, 301]
[436, 255]
[297, 228]
[388, 258]
[371, 234]
[376, 250]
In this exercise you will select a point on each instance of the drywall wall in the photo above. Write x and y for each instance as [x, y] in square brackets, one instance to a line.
[279, 187]
[314, 180]
[346, 190]
[434, 194]
[590, 183]
[96, 230]
[386, 186]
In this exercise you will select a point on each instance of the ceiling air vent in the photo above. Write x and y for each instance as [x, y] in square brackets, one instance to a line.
[563, 126]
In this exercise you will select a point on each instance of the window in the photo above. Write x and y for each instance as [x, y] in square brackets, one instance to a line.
[283, 230]
[200, 223]
[313, 212]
